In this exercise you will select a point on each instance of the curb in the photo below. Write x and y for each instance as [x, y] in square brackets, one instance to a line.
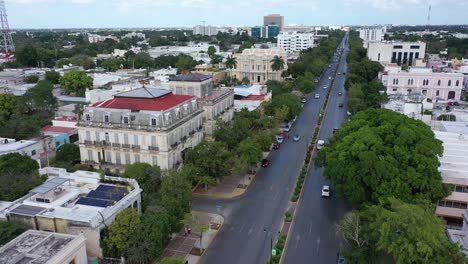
[314, 151]
[214, 237]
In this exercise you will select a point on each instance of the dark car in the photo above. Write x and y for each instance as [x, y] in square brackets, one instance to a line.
[340, 105]
[265, 163]
[448, 108]
[334, 130]
[276, 146]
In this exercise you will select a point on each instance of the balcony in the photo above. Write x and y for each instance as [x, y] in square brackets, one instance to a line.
[136, 147]
[98, 143]
[126, 146]
[192, 132]
[151, 148]
[183, 139]
[173, 145]
[116, 145]
[88, 142]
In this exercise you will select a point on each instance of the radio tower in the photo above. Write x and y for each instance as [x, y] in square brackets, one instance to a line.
[428, 18]
[7, 48]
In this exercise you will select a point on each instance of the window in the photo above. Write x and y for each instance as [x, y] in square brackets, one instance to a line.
[409, 91]
[438, 83]
[125, 119]
[154, 142]
[33, 152]
[90, 155]
[398, 46]
[88, 117]
[414, 47]
[106, 137]
[437, 93]
[153, 121]
[395, 90]
[127, 158]
[126, 139]
[88, 135]
[450, 83]
[135, 140]
[155, 160]
[108, 157]
[457, 83]
[117, 159]
[97, 136]
[137, 158]
[106, 118]
[424, 92]
[409, 81]
[116, 137]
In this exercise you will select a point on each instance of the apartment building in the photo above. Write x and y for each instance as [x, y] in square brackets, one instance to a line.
[217, 103]
[255, 64]
[396, 52]
[79, 203]
[433, 85]
[143, 125]
[206, 30]
[372, 33]
[295, 42]
[274, 19]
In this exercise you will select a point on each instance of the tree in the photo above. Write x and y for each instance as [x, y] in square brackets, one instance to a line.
[147, 176]
[124, 231]
[76, 82]
[40, 99]
[249, 151]
[264, 139]
[18, 175]
[277, 63]
[404, 67]
[68, 153]
[8, 106]
[8, 231]
[245, 80]
[185, 63]
[53, 77]
[231, 62]
[381, 153]
[27, 55]
[306, 83]
[211, 158]
[84, 61]
[157, 227]
[211, 51]
[281, 113]
[173, 260]
[175, 196]
[410, 233]
[216, 59]
[291, 101]
[197, 225]
[31, 79]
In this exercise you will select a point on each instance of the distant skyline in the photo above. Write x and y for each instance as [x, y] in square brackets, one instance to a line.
[187, 13]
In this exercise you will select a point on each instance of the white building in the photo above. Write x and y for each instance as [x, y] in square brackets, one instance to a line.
[35, 246]
[75, 203]
[163, 75]
[298, 28]
[31, 148]
[206, 30]
[433, 85]
[142, 125]
[134, 35]
[94, 38]
[372, 33]
[295, 42]
[196, 50]
[396, 52]
[255, 64]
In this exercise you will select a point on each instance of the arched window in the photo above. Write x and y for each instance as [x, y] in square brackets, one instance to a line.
[409, 81]
[438, 83]
[437, 93]
[449, 82]
[457, 83]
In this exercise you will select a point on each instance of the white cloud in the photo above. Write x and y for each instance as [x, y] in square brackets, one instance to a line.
[401, 4]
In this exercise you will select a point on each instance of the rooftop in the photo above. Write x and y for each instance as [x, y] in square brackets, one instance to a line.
[215, 94]
[253, 97]
[78, 196]
[453, 163]
[271, 51]
[191, 77]
[144, 99]
[57, 129]
[67, 118]
[8, 145]
[36, 247]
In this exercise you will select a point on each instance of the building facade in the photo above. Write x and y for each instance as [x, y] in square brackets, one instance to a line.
[270, 31]
[433, 85]
[396, 52]
[217, 103]
[295, 42]
[255, 65]
[205, 30]
[274, 19]
[372, 33]
[143, 125]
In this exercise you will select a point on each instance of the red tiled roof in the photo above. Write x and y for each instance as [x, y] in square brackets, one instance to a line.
[253, 97]
[56, 129]
[149, 104]
[66, 118]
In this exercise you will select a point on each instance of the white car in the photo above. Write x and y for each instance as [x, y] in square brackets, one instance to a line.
[320, 144]
[286, 128]
[326, 191]
[329, 78]
[279, 139]
[317, 96]
[325, 87]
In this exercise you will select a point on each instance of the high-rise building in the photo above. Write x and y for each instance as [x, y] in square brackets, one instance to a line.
[372, 33]
[396, 52]
[270, 31]
[274, 19]
[295, 42]
[206, 30]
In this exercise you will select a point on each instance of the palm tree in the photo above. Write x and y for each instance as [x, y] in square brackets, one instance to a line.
[231, 62]
[277, 63]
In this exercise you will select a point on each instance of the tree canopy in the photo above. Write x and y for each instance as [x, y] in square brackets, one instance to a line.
[211, 157]
[53, 77]
[125, 230]
[8, 231]
[76, 82]
[381, 153]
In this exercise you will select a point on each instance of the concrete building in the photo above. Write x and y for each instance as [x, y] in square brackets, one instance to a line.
[298, 28]
[270, 31]
[396, 52]
[44, 247]
[134, 35]
[217, 103]
[274, 19]
[372, 33]
[94, 38]
[142, 125]
[294, 42]
[76, 203]
[433, 85]
[206, 30]
[255, 64]
[32, 148]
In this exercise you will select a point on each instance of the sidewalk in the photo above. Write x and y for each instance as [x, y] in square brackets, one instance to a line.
[188, 246]
[229, 186]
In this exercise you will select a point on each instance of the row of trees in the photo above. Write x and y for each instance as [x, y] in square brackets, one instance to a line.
[385, 165]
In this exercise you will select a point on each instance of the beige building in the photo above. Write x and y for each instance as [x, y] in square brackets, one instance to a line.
[148, 125]
[274, 19]
[255, 64]
[44, 247]
[217, 103]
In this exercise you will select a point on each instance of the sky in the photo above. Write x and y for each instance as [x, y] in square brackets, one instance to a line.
[186, 13]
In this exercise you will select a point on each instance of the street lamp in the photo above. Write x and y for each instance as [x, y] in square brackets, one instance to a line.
[271, 245]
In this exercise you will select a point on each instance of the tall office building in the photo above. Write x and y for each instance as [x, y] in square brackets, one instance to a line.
[274, 19]
[270, 31]
[372, 33]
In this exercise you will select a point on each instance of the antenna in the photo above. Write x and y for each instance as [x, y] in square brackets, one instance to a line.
[7, 48]
[428, 18]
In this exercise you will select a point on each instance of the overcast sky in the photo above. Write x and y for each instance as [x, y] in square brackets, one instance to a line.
[177, 13]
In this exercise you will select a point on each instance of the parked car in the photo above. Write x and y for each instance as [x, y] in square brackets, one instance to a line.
[329, 78]
[340, 93]
[286, 128]
[340, 105]
[296, 138]
[455, 103]
[279, 139]
[265, 163]
[341, 260]
[326, 191]
[317, 96]
[303, 100]
[320, 144]
[276, 145]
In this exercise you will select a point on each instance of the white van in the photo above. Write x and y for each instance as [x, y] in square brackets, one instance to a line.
[320, 144]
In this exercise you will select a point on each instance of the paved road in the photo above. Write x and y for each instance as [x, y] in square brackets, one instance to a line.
[313, 238]
[242, 238]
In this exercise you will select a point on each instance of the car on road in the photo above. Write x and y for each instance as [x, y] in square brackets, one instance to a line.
[316, 80]
[340, 105]
[340, 93]
[341, 260]
[325, 87]
[448, 108]
[303, 100]
[286, 128]
[265, 163]
[320, 144]
[329, 78]
[317, 96]
[344, 73]
[326, 191]
[276, 145]
[279, 139]
[296, 138]
[455, 103]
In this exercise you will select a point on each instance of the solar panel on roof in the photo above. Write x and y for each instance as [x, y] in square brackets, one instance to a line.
[114, 196]
[49, 185]
[111, 188]
[94, 202]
